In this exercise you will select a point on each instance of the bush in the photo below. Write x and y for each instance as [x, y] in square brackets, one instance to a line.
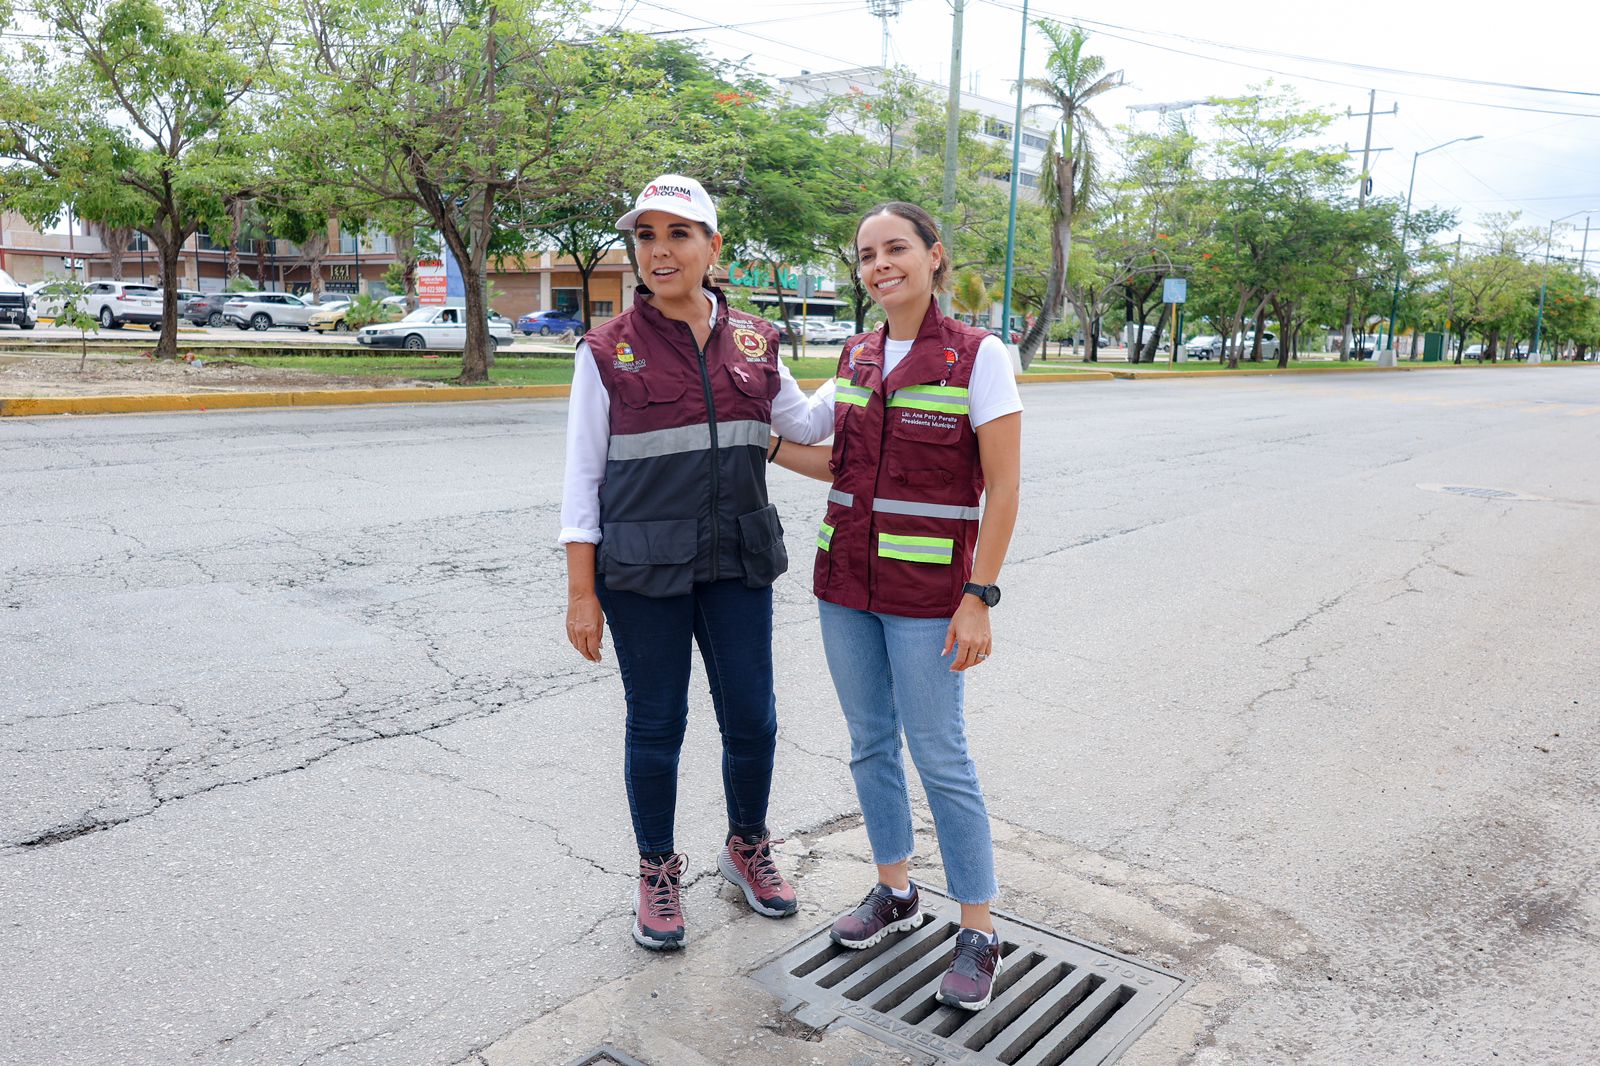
[365, 310]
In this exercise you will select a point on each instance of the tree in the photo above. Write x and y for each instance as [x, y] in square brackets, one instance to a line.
[971, 295]
[455, 108]
[1075, 81]
[133, 118]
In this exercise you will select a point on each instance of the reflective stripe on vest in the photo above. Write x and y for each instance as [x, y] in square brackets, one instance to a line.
[680, 439]
[825, 536]
[944, 398]
[843, 499]
[916, 549]
[926, 510]
[845, 392]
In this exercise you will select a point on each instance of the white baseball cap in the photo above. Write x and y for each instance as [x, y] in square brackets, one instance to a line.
[675, 195]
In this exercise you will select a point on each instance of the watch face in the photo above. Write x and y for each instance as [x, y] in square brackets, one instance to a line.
[991, 595]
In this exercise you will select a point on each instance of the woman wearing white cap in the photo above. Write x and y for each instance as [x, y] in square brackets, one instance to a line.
[671, 541]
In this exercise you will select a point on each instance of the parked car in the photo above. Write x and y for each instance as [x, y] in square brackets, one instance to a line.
[544, 323]
[264, 310]
[16, 303]
[430, 328]
[206, 309]
[830, 332]
[1473, 351]
[1016, 335]
[330, 315]
[185, 297]
[117, 303]
[1210, 347]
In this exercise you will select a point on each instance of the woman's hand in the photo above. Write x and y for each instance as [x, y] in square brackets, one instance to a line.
[969, 634]
[586, 624]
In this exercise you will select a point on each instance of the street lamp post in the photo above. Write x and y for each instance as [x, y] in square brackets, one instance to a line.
[1405, 227]
[1544, 276]
[1016, 177]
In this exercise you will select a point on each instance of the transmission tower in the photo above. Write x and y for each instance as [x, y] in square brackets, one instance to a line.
[883, 11]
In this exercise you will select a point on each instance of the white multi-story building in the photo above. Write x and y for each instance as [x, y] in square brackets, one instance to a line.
[994, 116]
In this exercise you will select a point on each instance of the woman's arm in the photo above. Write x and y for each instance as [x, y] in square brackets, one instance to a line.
[808, 459]
[586, 622]
[1000, 453]
[588, 437]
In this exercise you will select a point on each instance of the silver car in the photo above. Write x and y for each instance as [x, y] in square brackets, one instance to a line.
[264, 310]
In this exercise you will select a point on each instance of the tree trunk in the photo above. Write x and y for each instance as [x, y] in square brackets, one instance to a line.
[1491, 350]
[1153, 344]
[1060, 254]
[1260, 324]
[168, 246]
[585, 271]
[1349, 321]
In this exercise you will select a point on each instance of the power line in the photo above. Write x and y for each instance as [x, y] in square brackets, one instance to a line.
[1005, 6]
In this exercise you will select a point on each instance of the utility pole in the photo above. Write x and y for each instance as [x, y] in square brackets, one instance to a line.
[1016, 178]
[952, 140]
[1361, 201]
[1450, 303]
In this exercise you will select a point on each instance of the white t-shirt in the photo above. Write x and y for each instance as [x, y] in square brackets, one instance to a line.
[991, 393]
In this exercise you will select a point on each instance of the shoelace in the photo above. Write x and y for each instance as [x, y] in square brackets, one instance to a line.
[661, 885]
[874, 899]
[970, 954]
[757, 858]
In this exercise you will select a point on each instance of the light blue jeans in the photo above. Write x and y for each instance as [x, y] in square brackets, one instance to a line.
[891, 678]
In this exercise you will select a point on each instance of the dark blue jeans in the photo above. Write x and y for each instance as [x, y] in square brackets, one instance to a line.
[732, 625]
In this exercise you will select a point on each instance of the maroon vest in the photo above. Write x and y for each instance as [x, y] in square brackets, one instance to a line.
[685, 492]
[902, 518]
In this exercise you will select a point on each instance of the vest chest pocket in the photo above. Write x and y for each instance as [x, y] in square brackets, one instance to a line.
[928, 414]
[759, 381]
[649, 558]
[638, 389]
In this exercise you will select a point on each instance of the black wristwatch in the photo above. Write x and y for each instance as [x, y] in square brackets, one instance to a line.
[989, 594]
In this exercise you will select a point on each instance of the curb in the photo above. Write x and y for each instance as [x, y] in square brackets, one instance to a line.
[21, 406]
[24, 406]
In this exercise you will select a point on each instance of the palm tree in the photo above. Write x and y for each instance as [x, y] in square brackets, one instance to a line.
[971, 295]
[1075, 80]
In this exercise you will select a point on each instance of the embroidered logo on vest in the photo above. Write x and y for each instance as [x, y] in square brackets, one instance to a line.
[626, 360]
[751, 343]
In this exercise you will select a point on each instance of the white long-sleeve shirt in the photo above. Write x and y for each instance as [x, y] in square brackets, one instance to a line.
[795, 416]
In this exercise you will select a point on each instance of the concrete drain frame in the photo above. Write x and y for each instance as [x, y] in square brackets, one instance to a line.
[606, 1055]
[1059, 1001]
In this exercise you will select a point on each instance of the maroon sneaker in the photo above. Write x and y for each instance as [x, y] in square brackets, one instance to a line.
[659, 922]
[748, 864]
[969, 982]
[877, 916]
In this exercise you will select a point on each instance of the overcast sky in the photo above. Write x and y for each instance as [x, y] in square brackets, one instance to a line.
[1544, 164]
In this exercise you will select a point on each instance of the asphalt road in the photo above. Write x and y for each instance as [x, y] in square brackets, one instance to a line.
[295, 765]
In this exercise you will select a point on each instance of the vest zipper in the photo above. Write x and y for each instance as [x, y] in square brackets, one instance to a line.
[716, 460]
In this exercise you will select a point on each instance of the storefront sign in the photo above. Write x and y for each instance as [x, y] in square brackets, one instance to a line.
[432, 283]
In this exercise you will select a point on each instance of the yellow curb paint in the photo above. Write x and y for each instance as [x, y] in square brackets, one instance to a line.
[218, 401]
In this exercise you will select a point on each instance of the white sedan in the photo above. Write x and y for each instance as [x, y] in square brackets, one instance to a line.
[430, 328]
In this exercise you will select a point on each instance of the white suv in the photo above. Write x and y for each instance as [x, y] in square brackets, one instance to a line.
[263, 310]
[116, 303]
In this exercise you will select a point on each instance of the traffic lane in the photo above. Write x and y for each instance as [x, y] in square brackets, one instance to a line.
[544, 751]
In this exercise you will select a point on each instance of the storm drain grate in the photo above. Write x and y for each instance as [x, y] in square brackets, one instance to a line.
[1058, 1000]
[606, 1055]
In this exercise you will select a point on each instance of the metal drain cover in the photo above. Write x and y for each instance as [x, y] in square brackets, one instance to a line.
[1483, 492]
[1058, 1000]
[606, 1055]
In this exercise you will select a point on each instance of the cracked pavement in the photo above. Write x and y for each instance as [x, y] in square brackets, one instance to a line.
[295, 766]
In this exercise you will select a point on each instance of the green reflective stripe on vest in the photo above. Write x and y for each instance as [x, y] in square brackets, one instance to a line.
[844, 392]
[825, 537]
[948, 399]
[916, 549]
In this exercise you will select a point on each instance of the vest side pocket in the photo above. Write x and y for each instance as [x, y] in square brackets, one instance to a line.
[649, 558]
[761, 547]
